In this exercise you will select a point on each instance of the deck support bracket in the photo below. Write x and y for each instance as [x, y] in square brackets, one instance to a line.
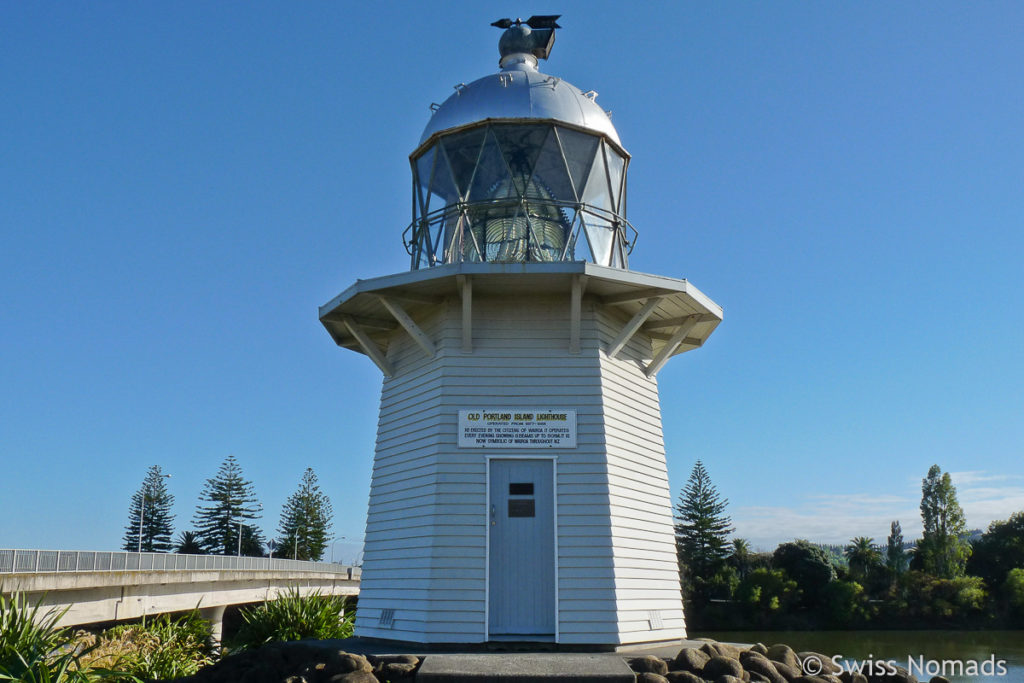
[632, 326]
[670, 346]
[417, 334]
[367, 345]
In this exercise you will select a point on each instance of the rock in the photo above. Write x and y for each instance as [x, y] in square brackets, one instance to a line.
[758, 678]
[719, 666]
[761, 665]
[648, 664]
[790, 673]
[727, 650]
[690, 659]
[783, 653]
[347, 663]
[852, 677]
[648, 677]
[726, 678]
[901, 676]
[683, 677]
[759, 648]
[709, 649]
[939, 679]
[397, 671]
[353, 677]
[827, 665]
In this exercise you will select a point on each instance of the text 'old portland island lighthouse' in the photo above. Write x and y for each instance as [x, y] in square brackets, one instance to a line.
[519, 488]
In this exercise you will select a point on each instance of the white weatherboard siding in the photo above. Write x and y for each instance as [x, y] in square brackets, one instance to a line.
[426, 536]
[646, 567]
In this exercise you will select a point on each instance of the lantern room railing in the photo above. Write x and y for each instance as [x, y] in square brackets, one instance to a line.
[447, 235]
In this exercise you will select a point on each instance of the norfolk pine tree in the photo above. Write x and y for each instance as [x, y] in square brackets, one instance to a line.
[702, 530]
[305, 526]
[232, 499]
[153, 504]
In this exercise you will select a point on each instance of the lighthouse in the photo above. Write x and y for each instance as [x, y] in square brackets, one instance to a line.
[519, 488]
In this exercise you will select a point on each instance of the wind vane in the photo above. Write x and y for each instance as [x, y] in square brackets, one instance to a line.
[519, 37]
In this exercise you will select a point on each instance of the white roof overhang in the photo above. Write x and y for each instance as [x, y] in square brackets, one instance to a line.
[672, 312]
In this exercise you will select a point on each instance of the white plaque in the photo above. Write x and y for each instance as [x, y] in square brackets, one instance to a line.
[517, 428]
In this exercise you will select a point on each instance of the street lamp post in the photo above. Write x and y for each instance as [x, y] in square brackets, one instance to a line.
[259, 509]
[142, 510]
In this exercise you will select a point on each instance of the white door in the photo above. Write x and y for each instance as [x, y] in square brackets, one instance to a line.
[522, 548]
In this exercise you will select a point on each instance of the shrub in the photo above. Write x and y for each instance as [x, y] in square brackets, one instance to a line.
[163, 648]
[765, 593]
[294, 617]
[845, 604]
[809, 565]
[943, 601]
[33, 649]
[1013, 587]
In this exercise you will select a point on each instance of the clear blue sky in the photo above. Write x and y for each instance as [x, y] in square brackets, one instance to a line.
[182, 184]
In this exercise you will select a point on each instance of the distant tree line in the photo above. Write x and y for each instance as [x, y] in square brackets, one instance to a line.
[944, 580]
[226, 516]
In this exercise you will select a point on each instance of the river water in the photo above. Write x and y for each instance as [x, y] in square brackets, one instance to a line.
[998, 655]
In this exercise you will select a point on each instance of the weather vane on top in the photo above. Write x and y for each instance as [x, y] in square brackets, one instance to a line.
[519, 37]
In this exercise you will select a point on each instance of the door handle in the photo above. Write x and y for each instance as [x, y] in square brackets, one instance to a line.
[493, 512]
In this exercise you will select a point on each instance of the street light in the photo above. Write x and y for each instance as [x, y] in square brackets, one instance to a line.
[259, 509]
[333, 542]
[142, 512]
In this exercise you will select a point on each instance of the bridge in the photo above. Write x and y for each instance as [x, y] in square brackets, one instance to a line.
[99, 586]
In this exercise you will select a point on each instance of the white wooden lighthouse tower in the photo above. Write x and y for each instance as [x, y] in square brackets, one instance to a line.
[519, 487]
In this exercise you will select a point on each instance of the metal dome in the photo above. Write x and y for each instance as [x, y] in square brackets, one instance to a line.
[519, 91]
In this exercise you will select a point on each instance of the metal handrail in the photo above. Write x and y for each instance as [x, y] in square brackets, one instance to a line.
[16, 561]
[437, 216]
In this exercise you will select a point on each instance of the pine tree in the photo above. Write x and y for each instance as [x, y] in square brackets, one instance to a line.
[233, 506]
[305, 526]
[895, 555]
[150, 506]
[943, 550]
[702, 529]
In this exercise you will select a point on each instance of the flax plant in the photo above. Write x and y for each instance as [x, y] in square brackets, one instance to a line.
[294, 617]
[34, 649]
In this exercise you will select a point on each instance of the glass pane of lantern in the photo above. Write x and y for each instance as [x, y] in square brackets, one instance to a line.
[579, 149]
[491, 178]
[424, 167]
[550, 176]
[521, 146]
[615, 166]
[599, 237]
[597, 194]
[463, 150]
[441, 184]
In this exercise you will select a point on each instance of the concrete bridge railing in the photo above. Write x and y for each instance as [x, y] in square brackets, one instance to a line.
[96, 586]
[13, 561]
